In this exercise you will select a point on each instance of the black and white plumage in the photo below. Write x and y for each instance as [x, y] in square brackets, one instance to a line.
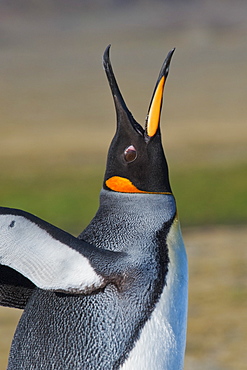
[116, 296]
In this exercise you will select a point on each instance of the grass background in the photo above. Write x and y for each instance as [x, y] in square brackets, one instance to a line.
[57, 120]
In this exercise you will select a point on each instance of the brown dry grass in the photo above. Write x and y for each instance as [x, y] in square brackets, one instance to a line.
[52, 83]
[8, 321]
[217, 325]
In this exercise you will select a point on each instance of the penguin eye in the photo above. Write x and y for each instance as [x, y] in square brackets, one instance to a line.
[130, 154]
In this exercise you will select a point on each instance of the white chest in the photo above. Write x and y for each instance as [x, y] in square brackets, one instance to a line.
[161, 345]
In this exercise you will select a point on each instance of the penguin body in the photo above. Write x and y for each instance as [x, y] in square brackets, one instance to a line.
[116, 296]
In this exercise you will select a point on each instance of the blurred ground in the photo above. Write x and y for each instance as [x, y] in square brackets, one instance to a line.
[57, 119]
[52, 81]
[217, 331]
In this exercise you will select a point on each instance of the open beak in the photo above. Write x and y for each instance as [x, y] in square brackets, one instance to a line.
[124, 116]
[154, 111]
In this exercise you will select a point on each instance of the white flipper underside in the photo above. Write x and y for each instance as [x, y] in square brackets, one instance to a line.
[44, 260]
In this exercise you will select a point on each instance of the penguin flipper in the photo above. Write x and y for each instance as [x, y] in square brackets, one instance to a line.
[15, 289]
[50, 258]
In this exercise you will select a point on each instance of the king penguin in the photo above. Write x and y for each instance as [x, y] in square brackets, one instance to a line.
[116, 296]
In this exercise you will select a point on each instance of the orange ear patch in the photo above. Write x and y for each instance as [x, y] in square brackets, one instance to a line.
[123, 185]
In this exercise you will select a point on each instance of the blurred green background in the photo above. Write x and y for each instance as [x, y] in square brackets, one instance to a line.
[58, 118]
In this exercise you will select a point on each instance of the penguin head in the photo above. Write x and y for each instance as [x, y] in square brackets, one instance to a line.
[136, 161]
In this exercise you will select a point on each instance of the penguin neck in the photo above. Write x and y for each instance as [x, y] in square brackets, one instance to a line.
[138, 204]
[125, 218]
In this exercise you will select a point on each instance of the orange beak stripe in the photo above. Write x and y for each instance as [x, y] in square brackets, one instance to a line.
[123, 185]
[154, 112]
